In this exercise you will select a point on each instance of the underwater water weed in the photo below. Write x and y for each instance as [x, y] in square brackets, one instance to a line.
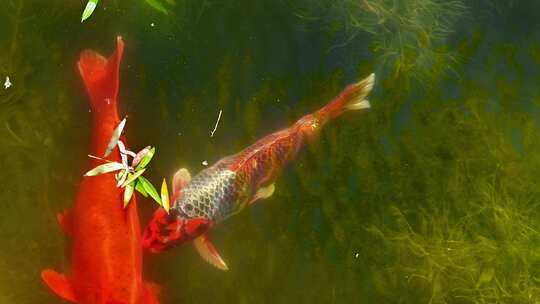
[407, 36]
[441, 261]
[460, 220]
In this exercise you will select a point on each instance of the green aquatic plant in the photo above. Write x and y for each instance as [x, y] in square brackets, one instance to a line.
[129, 176]
[89, 9]
[409, 37]
[155, 4]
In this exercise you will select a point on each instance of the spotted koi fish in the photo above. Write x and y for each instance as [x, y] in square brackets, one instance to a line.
[237, 181]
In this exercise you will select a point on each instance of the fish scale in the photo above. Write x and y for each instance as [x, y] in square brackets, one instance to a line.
[209, 195]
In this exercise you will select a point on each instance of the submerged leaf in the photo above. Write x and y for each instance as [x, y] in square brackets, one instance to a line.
[128, 193]
[139, 187]
[150, 189]
[140, 155]
[164, 196]
[89, 9]
[114, 138]
[105, 168]
[132, 177]
[157, 5]
[146, 159]
[124, 153]
[121, 178]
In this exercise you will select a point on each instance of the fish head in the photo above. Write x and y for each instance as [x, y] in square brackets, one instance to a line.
[168, 230]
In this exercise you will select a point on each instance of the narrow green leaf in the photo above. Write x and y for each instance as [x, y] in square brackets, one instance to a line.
[114, 138]
[105, 168]
[139, 187]
[146, 159]
[128, 193]
[132, 177]
[164, 196]
[150, 189]
[121, 178]
[157, 5]
[140, 155]
[89, 9]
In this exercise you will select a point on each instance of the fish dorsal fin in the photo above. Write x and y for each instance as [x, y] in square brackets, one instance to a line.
[262, 193]
[208, 252]
[59, 284]
[181, 178]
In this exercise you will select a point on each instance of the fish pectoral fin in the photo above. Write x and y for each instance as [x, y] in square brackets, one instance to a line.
[262, 193]
[151, 293]
[181, 178]
[208, 252]
[59, 284]
[64, 219]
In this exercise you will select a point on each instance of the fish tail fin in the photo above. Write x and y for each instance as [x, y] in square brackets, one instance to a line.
[351, 98]
[100, 76]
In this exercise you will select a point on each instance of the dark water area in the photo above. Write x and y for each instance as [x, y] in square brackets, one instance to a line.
[431, 196]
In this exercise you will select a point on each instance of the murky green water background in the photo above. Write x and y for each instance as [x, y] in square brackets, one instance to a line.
[431, 197]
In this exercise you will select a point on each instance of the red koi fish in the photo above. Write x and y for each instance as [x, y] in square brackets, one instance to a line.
[106, 260]
[237, 181]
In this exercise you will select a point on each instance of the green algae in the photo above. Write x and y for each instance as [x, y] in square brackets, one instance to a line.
[409, 38]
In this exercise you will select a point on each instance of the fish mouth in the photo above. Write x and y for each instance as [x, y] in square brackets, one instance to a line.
[152, 244]
[152, 240]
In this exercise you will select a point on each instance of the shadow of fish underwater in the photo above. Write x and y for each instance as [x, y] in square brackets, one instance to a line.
[106, 256]
[238, 181]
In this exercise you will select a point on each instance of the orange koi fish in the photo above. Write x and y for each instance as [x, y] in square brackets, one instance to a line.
[238, 181]
[106, 257]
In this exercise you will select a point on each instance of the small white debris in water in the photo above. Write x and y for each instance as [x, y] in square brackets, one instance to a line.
[217, 122]
[205, 163]
[152, 24]
[356, 255]
[179, 133]
[7, 83]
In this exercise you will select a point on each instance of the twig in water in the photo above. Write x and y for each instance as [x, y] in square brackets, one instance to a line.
[217, 122]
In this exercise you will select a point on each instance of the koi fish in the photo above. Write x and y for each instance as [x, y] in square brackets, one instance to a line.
[238, 181]
[106, 256]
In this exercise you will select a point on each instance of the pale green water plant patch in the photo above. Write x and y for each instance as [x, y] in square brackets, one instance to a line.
[129, 176]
